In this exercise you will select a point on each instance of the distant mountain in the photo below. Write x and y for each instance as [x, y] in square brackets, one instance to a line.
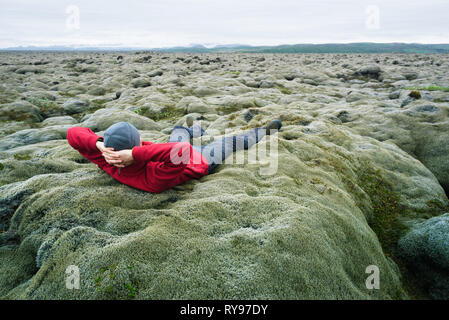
[70, 48]
[360, 47]
[357, 47]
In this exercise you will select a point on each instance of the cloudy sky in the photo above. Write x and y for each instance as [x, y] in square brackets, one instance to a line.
[161, 23]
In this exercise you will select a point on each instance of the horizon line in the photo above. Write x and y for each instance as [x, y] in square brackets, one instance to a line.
[206, 46]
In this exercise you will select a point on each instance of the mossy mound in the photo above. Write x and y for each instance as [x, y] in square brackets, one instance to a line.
[356, 169]
[303, 232]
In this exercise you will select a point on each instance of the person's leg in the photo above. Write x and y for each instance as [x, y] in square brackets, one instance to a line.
[179, 134]
[183, 134]
[217, 151]
[196, 131]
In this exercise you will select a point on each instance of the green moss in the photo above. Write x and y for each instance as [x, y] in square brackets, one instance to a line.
[70, 65]
[23, 170]
[5, 98]
[436, 207]
[44, 105]
[131, 290]
[168, 112]
[236, 73]
[6, 116]
[386, 224]
[161, 90]
[294, 120]
[67, 94]
[386, 207]
[91, 108]
[98, 103]
[415, 94]
[430, 88]
[283, 89]
[316, 180]
[109, 283]
[437, 88]
[381, 85]
[1, 166]
[228, 109]
[233, 235]
[337, 95]
[18, 156]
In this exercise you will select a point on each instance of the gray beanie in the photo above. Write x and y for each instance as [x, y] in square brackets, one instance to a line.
[121, 135]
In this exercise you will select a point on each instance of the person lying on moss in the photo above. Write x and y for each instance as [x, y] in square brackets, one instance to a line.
[156, 167]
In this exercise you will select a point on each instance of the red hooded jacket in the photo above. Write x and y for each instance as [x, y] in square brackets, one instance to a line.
[152, 170]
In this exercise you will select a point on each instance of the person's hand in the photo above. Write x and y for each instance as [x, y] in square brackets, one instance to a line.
[102, 148]
[120, 158]
[108, 154]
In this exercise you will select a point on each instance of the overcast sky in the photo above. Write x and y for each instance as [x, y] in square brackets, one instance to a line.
[161, 23]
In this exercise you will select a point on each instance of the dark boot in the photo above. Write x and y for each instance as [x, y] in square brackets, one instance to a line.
[273, 125]
[196, 131]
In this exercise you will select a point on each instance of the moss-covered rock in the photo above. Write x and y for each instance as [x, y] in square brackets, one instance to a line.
[302, 233]
[20, 111]
[101, 119]
[30, 136]
[351, 179]
[426, 248]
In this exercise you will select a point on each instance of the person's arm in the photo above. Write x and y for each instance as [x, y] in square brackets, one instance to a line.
[170, 157]
[165, 163]
[172, 154]
[85, 141]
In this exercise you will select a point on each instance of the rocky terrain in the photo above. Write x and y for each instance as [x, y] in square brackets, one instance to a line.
[362, 178]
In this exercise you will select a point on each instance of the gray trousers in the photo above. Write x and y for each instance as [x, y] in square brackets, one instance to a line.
[217, 151]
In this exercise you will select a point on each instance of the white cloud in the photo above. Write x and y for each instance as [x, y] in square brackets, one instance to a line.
[158, 23]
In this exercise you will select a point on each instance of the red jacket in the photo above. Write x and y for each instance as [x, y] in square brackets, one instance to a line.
[152, 169]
